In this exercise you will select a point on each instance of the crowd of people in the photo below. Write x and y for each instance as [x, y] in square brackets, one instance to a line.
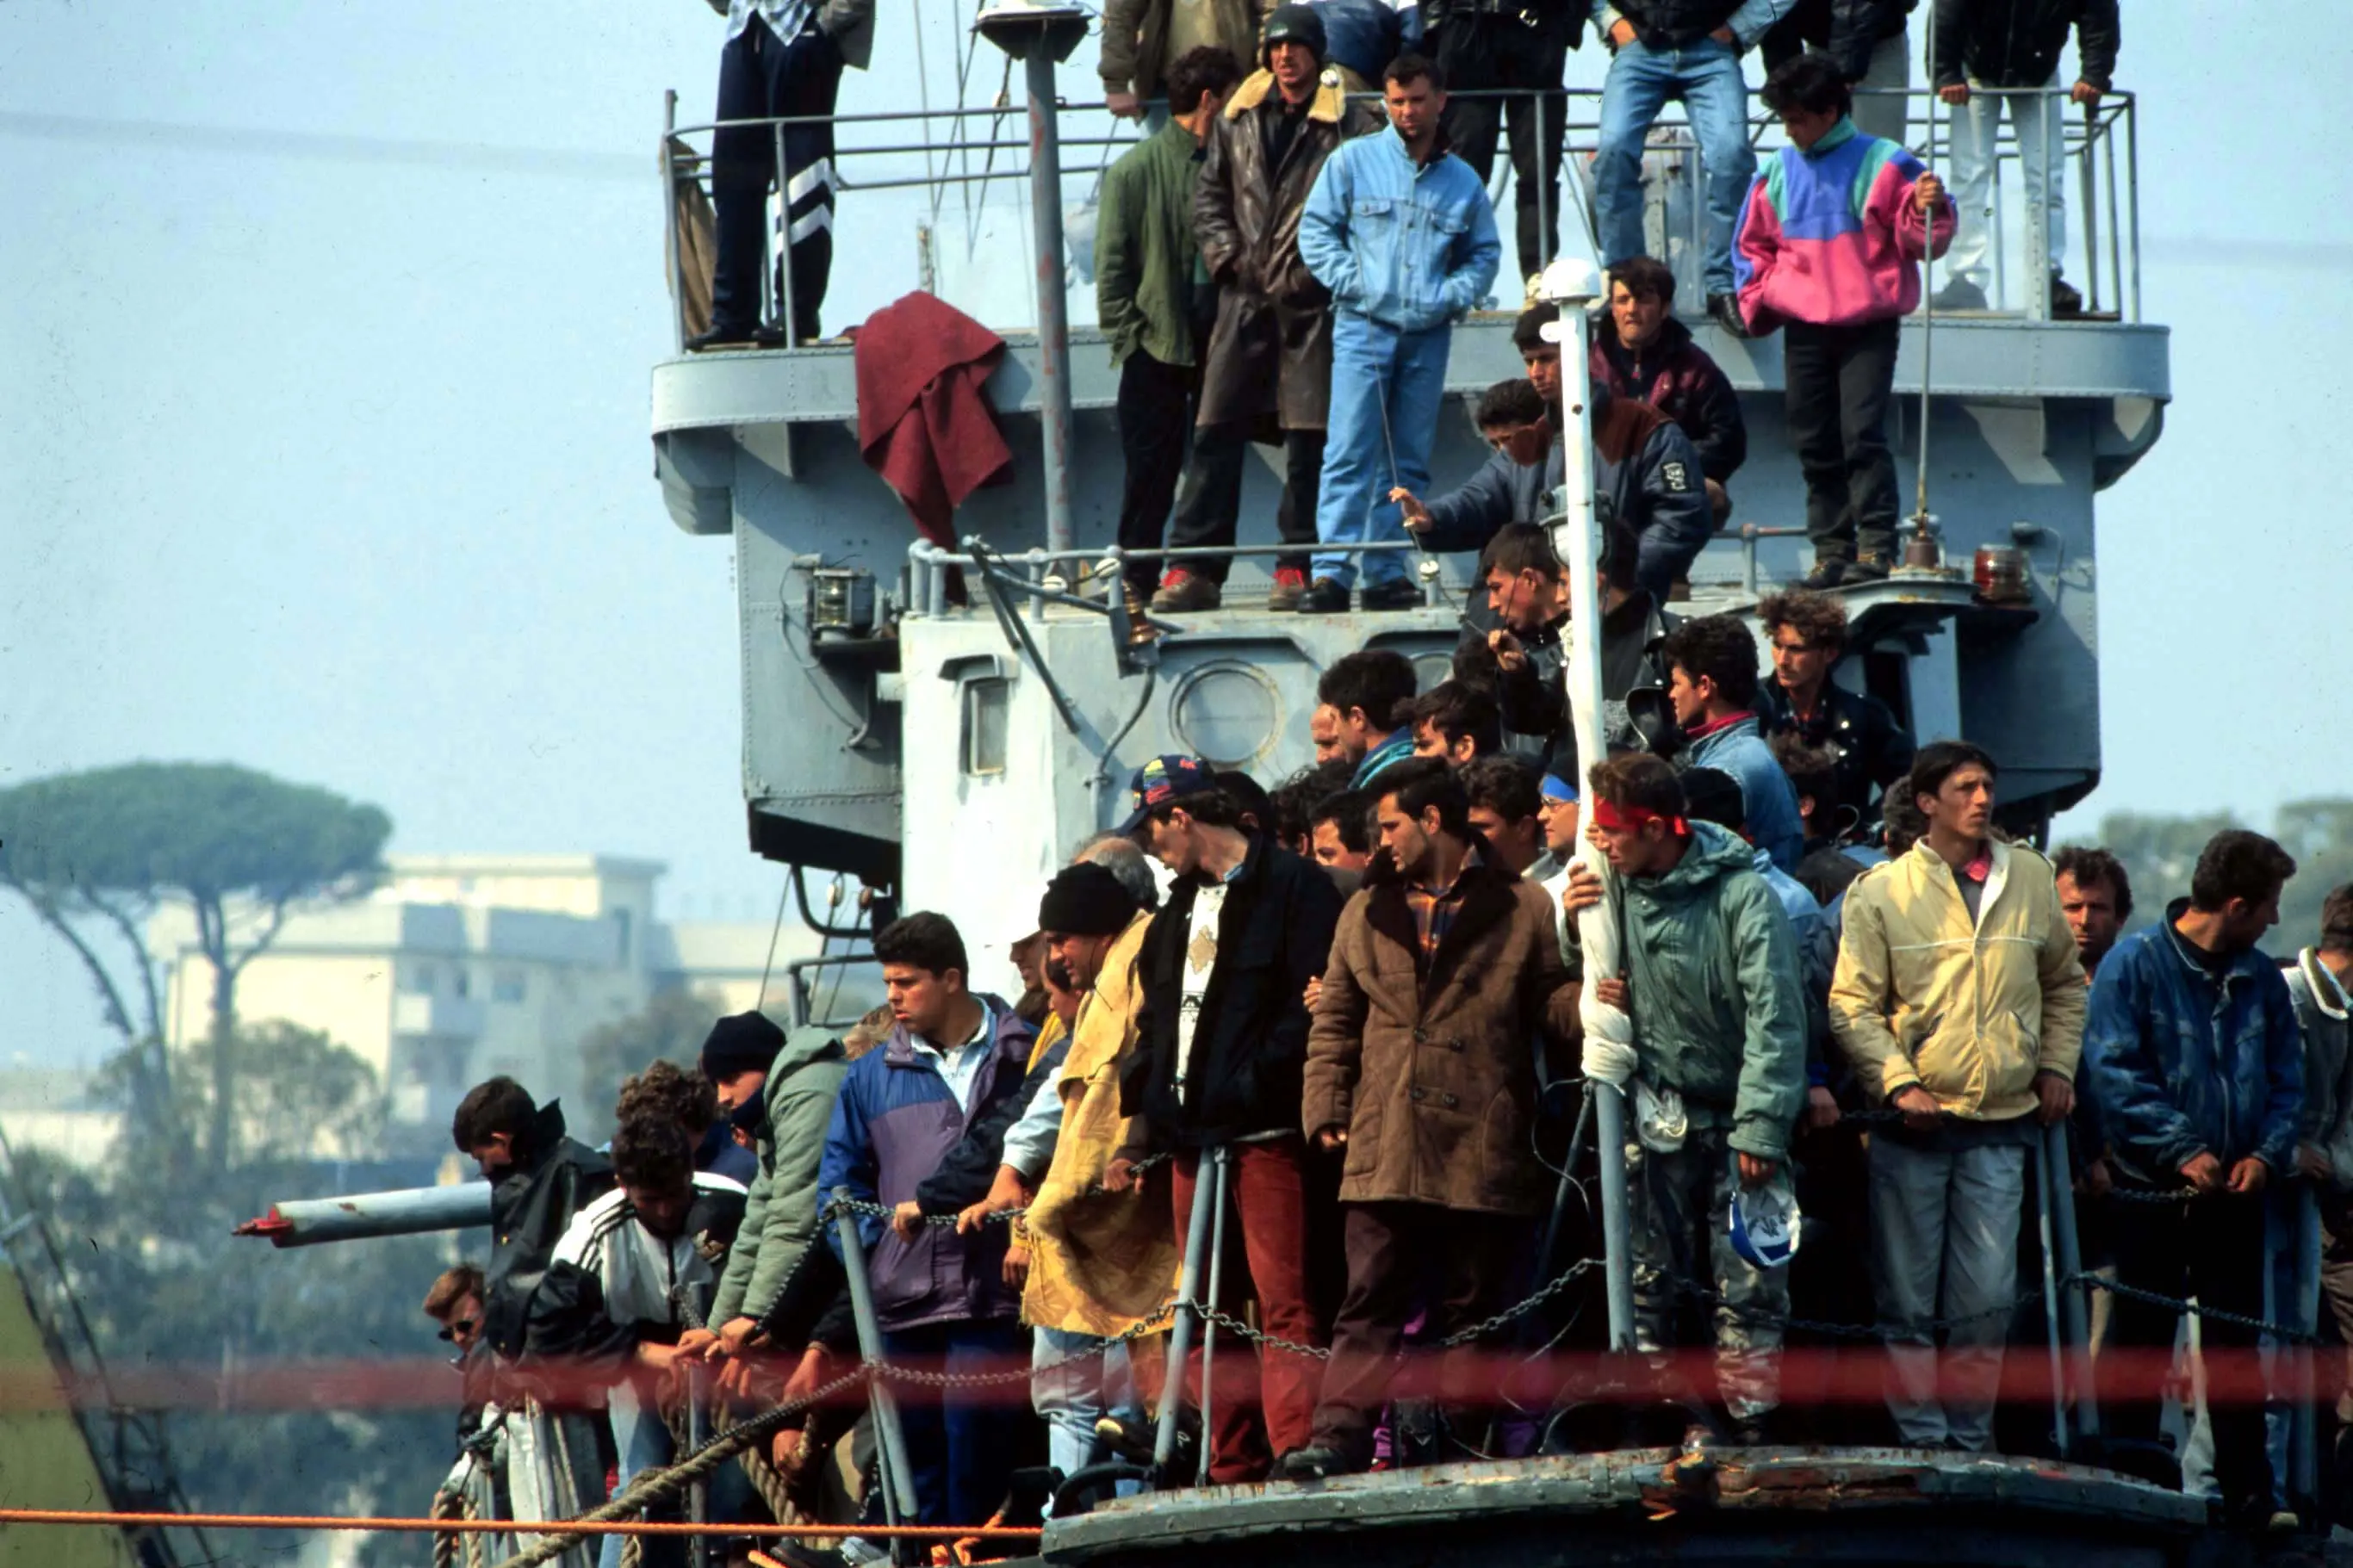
[1280, 261]
[1357, 1001]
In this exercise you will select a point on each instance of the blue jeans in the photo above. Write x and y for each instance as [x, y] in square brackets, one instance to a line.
[1072, 1396]
[1707, 78]
[960, 1442]
[1386, 386]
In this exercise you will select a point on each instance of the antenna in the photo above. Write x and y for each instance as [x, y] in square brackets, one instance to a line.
[1921, 550]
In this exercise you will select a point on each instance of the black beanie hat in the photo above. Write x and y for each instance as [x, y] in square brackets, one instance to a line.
[1086, 900]
[740, 1043]
[1293, 23]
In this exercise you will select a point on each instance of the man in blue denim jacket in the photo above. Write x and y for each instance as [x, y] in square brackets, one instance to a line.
[2197, 1066]
[1400, 231]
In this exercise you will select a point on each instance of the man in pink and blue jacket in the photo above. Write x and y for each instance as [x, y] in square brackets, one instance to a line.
[1828, 247]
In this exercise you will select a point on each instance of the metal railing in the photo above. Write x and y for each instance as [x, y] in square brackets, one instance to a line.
[2098, 153]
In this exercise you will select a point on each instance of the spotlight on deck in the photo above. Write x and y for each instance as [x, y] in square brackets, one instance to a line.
[1023, 30]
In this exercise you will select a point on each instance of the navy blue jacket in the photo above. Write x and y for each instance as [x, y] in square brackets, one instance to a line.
[2181, 1066]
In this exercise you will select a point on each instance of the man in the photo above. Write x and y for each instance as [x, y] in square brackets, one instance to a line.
[1712, 985]
[1828, 867]
[1983, 47]
[1712, 683]
[1146, 300]
[1297, 797]
[1454, 722]
[2198, 1070]
[1643, 354]
[1216, 1066]
[783, 62]
[539, 1179]
[1830, 246]
[1664, 51]
[1270, 357]
[1807, 633]
[1644, 465]
[1872, 43]
[1144, 39]
[1504, 803]
[455, 1302]
[2317, 982]
[1506, 65]
[1958, 1001]
[1399, 230]
[1360, 703]
[632, 1269]
[794, 1080]
[2096, 897]
[1341, 838]
[1419, 1074]
[1098, 1263]
[1557, 816]
[1520, 651]
[953, 1058]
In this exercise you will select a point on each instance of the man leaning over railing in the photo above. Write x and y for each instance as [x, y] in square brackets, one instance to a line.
[2012, 47]
[2198, 1067]
[783, 60]
[1958, 1002]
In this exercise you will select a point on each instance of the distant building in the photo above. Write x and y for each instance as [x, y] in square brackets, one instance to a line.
[49, 1109]
[461, 967]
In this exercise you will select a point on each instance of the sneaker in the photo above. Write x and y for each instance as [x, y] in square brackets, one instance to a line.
[1958, 294]
[1290, 587]
[1400, 594]
[1724, 310]
[1182, 589]
[2065, 300]
[1323, 597]
[1315, 1462]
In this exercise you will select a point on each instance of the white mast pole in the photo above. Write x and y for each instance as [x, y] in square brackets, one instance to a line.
[1609, 1055]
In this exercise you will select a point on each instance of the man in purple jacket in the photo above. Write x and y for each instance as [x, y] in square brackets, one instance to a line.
[952, 1065]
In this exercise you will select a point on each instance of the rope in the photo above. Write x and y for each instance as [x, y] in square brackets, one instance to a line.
[586, 1525]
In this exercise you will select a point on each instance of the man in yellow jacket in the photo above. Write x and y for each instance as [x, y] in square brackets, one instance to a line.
[1958, 1000]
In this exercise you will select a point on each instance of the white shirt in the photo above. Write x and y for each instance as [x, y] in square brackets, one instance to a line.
[1200, 962]
[1029, 1143]
[786, 19]
[960, 1065]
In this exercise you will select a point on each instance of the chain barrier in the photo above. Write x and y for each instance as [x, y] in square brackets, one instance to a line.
[887, 1214]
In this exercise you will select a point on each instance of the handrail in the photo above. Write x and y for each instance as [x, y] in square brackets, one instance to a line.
[2086, 154]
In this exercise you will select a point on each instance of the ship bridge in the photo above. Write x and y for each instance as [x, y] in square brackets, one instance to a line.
[952, 749]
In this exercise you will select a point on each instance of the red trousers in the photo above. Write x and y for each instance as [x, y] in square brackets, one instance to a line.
[1263, 1401]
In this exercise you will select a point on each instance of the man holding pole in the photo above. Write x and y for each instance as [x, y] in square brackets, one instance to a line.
[1401, 233]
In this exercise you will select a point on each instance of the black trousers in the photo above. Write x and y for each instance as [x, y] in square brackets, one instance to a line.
[1154, 416]
[1840, 381]
[2212, 1248]
[1507, 56]
[761, 77]
[1209, 505]
[1402, 1256]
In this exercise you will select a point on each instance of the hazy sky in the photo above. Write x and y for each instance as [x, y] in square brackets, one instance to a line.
[323, 374]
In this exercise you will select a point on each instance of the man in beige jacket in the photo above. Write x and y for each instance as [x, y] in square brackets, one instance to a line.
[1958, 1000]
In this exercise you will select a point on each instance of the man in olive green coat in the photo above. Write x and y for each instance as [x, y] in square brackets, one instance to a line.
[795, 1077]
[1153, 301]
[1712, 985]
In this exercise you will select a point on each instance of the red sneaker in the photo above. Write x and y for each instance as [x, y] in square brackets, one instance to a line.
[1290, 587]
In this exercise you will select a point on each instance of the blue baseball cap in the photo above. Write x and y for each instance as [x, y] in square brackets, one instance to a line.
[1165, 778]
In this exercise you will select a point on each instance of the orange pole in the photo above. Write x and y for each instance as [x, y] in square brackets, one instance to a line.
[498, 1526]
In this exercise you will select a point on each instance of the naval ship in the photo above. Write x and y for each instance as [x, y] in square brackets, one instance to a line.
[946, 750]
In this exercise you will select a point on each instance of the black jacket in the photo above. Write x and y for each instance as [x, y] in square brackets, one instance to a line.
[570, 1320]
[1672, 24]
[1249, 1041]
[1873, 750]
[1675, 376]
[1847, 30]
[530, 1205]
[967, 1170]
[2016, 43]
[1533, 699]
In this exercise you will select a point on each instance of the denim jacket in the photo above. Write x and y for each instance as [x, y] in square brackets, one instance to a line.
[2182, 1065]
[1409, 247]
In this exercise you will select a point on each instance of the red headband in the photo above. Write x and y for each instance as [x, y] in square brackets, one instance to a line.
[1634, 817]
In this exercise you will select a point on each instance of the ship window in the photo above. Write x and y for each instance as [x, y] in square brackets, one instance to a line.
[507, 985]
[417, 979]
[987, 710]
[1227, 714]
[1429, 668]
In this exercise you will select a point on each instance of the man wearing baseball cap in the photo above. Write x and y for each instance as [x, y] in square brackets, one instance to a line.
[1221, 1042]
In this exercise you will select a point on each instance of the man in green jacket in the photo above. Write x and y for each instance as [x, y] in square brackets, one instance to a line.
[1712, 985]
[795, 1077]
[1149, 290]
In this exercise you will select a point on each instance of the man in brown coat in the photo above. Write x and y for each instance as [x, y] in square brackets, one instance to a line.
[1269, 365]
[1142, 39]
[1421, 1069]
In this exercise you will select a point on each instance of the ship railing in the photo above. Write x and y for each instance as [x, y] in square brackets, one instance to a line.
[2093, 164]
